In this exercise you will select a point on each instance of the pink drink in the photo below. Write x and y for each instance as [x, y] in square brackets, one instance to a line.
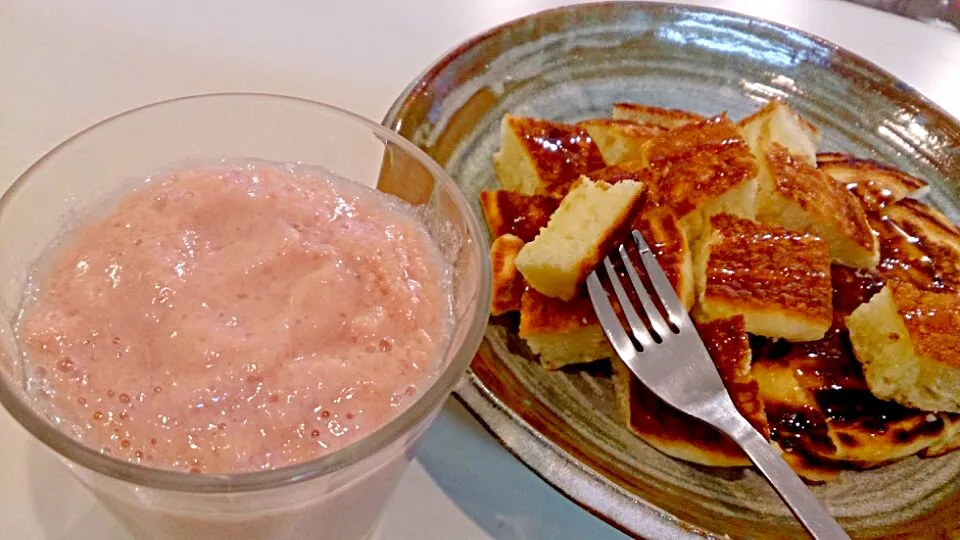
[236, 318]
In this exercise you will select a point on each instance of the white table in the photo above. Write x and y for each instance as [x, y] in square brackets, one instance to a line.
[65, 65]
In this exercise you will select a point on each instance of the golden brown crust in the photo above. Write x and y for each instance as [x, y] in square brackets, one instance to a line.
[679, 435]
[657, 116]
[932, 234]
[510, 212]
[633, 129]
[508, 284]
[541, 314]
[875, 184]
[918, 245]
[758, 267]
[668, 430]
[619, 140]
[949, 440]
[826, 200]
[933, 320]
[819, 406]
[904, 260]
[628, 170]
[729, 346]
[560, 152]
[697, 163]
[669, 245]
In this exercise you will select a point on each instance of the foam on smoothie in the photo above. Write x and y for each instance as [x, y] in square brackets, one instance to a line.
[236, 317]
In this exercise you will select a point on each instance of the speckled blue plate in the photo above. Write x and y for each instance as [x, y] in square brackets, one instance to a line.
[573, 63]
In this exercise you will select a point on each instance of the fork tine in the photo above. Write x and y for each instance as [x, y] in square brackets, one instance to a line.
[659, 325]
[638, 329]
[661, 285]
[608, 318]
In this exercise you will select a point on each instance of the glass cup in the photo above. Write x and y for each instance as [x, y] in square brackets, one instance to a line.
[340, 495]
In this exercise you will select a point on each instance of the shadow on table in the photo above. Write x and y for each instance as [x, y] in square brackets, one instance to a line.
[496, 490]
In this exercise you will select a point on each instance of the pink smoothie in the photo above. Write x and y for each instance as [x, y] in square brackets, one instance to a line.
[234, 318]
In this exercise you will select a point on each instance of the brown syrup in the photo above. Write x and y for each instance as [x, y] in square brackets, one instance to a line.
[561, 153]
[829, 371]
[523, 215]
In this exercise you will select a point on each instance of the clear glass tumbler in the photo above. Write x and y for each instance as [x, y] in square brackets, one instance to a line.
[338, 496]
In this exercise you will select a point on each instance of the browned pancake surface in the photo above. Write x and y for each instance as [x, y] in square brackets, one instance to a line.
[560, 152]
[875, 184]
[664, 235]
[819, 195]
[508, 284]
[698, 163]
[680, 435]
[765, 267]
[509, 212]
[541, 314]
[658, 116]
[933, 320]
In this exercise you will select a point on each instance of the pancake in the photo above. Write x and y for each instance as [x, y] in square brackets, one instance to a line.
[797, 196]
[509, 212]
[949, 441]
[508, 284]
[908, 341]
[620, 140]
[562, 333]
[699, 170]
[776, 122]
[875, 184]
[820, 408]
[669, 245]
[909, 259]
[656, 116]
[932, 233]
[810, 396]
[578, 235]
[777, 279]
[540, 157]
[679, 435]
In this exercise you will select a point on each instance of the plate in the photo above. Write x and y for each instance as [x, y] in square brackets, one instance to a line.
[571, 64]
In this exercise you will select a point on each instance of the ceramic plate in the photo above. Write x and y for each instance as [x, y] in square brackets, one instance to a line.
[573, 63]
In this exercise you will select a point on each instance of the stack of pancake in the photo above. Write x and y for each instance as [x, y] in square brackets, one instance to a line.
[825, 291]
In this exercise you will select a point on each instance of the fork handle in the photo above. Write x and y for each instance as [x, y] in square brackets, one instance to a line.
[799, 498]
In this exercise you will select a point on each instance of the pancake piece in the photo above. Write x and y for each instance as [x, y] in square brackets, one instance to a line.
[578, 235]
[729, 347]
[679, 435]
[823, 415]
[797, 196]
[795, 422]
[509, 212]
[908, 341]
[540, 157]
[628, 170]
[669, 245]
[562, 333]
[949, 440]
[700, 170]
[620, 140]
[655, 116]
[778, 123]
[777, 279]
[933, 235]
[508, 284]
[904, 258]
[875, 184]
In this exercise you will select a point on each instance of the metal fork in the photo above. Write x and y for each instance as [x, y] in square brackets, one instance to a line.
[671, 360]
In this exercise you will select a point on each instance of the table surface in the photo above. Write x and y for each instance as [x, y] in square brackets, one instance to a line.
[65, 65]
